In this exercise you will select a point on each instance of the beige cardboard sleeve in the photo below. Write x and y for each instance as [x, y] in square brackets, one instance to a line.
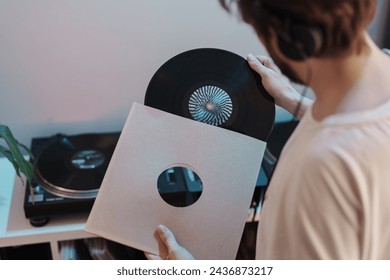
[128, 207]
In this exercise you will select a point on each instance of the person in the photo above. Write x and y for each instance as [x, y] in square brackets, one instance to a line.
[329, 194]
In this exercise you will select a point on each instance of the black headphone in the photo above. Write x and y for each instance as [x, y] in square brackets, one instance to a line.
[296, 40]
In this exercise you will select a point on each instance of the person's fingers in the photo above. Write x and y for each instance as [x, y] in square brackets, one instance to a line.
[268, 62]
[151, 256]
[256, 65]
[167, 237]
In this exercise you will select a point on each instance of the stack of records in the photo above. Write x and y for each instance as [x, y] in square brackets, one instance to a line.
[68, 250]
[97, 249]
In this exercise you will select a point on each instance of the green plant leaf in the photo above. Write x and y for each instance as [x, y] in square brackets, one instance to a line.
[15, 154]
[25, 148]
[7, 153]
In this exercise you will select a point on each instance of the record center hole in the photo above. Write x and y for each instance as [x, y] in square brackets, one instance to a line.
[210, 106]
[179, 186]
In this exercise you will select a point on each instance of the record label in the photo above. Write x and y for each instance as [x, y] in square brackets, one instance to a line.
[88, 159]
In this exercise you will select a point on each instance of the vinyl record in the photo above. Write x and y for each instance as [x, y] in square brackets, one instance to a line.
[74, 166]
[216, 87]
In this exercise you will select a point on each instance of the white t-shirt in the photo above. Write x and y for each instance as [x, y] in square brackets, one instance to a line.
[329, 197]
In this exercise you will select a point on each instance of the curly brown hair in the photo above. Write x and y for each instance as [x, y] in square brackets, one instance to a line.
[341, 21]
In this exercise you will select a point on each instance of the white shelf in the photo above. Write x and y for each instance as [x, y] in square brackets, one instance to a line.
[15, 229]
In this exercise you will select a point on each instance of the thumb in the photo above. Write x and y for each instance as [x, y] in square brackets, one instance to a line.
[151, 256]
[167, 237]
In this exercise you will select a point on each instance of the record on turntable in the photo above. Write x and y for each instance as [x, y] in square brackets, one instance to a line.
[216, 87]
[74, 167]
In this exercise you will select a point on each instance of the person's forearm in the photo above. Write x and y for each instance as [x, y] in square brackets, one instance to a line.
[295, 103]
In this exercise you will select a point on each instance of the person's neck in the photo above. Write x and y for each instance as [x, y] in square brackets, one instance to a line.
[349, 84]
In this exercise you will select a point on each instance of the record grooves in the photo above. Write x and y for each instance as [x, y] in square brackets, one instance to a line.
[216, 87]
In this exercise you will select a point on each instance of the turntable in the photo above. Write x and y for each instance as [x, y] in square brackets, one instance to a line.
[68, 172]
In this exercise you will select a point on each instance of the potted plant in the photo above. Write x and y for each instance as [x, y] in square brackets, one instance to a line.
[12, 150]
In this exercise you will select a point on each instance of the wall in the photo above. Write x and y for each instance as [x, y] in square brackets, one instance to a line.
[379, 27]
[76, 66]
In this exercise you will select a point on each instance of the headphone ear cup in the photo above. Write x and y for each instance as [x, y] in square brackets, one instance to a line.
[301, 41]
[308, 38]
[289, 48]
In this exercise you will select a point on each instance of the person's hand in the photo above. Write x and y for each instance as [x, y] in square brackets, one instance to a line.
[175, 251]
[278, 85]
[274, 82]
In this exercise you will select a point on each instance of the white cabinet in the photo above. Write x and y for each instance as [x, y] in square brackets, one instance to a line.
[16, 230]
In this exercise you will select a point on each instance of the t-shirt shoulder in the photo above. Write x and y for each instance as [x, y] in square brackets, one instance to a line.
[380, 113]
